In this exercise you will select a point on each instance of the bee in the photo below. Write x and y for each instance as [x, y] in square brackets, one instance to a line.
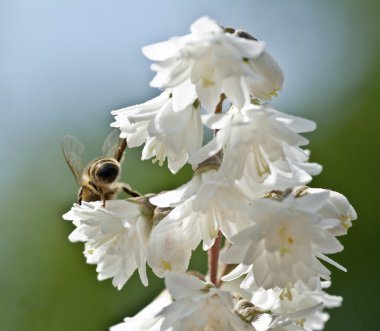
[97, 181]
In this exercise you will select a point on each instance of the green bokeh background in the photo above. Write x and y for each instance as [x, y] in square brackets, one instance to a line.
[65, 64]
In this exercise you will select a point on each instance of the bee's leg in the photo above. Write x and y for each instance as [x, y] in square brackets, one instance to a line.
[98, 192]
[80, 193]
[102, 197]
[127, 189]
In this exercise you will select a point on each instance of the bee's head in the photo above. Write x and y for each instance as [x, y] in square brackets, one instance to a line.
[104, 171]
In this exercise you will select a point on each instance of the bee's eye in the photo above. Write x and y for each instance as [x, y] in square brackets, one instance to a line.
[107, 172]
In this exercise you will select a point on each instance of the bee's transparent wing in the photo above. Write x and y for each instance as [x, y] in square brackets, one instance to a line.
[114, 146]
[73, 151]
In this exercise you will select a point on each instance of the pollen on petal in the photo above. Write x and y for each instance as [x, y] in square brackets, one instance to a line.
[166, 265]
[207, 82]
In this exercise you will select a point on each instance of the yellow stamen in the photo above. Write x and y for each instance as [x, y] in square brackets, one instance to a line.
[286, 293]
[274, 93]
[166, 265]
[261, 165]
[206, 82]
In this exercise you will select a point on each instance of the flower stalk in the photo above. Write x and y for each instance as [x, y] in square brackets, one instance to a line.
[213, 260]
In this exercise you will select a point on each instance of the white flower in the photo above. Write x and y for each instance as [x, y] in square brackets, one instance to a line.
[116, 238]
[270, 76]
[260, 148]
[284, 245]
[167, 130]
[167, 250]
[336, 208]
[196, 306]
[266, 319]
[203, 206]
[216, 61]
[267, 309]
[199, 307]
[292, 306]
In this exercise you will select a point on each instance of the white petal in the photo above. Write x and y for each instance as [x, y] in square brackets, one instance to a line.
[168, 121]
[216, 121]
[313, 202]
[182, 285]
[335, 264]
[161, 51]
[183, 95]
[209, 95]
[149, 106]
[294, 123]
[205, 24]
[173, 197]
[210, 149]
[236, 91]
[236, 273]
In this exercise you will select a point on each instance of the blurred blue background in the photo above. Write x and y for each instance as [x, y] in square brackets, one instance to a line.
[64, 65]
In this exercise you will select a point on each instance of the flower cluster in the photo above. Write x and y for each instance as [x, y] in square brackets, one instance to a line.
[248, 191]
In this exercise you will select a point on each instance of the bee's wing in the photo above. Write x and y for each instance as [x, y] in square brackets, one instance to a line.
[114, 146]
[73, 151]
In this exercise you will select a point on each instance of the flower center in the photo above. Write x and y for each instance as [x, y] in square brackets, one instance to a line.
[166, 265]
[207, 82]
[286, 241]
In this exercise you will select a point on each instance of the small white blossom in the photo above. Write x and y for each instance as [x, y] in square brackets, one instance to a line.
[266, 319]
[168, 251]
[116, 238]
[196, 306]
[261, 148]
[266, 309]
[270, 73]
[336, 208]
[203, 206]
[293, 303]
[199, 307]
[284, 245]
[216, 61]
[168, 132]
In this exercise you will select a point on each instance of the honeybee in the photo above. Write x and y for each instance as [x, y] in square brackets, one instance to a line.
[97, 181]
